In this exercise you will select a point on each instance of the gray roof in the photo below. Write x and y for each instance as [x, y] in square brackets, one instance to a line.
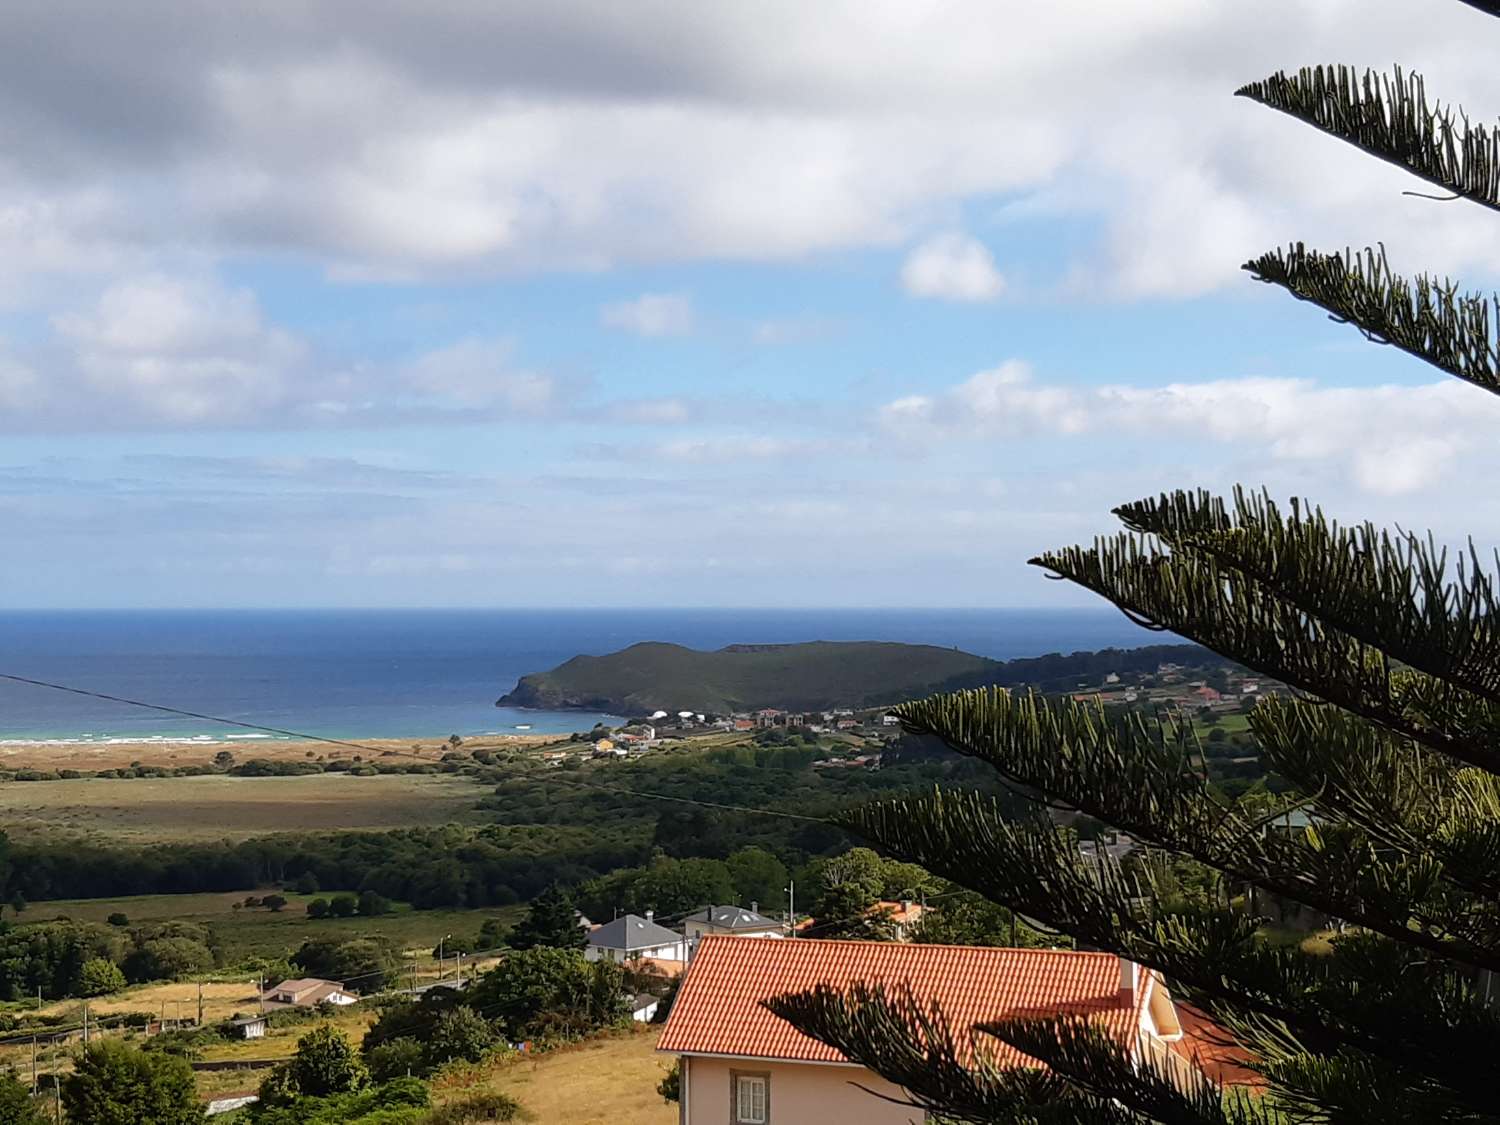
[632, 932]
[732, 918]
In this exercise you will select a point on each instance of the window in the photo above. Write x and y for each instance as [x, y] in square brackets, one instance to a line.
[751, 1095]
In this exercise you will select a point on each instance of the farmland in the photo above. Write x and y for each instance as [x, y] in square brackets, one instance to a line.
[258, 932]
[215, 807]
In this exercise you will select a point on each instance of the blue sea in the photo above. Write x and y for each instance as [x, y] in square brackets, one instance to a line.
[418, 673]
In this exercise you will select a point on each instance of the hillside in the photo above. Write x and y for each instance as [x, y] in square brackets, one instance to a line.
[819, 674]
[804, 677]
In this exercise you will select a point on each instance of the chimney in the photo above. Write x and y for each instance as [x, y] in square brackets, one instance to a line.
[1127, 976]
[754, 907]
[906, 906]
[650, 914]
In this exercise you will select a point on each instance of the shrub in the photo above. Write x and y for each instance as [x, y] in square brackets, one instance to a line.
[459, 1033]
[371, 904]
[670, 1086]
[307, 884]
[397, 1058]
[318, 908]
[343, 906]
[99, 977]
[487, 1105]
[118, 919]
[274, 903]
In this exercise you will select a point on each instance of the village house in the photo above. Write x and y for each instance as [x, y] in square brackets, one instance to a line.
[903, 916]
[770, 717]
[308, 992]
[631, 937]
[742, 1065]
[732, 920]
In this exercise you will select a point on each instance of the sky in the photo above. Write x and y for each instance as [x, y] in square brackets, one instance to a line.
[481, 303]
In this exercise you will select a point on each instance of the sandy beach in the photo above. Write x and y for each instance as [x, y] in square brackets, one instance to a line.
[105, 754]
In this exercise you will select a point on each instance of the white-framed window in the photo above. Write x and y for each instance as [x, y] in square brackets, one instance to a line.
[751, 1097]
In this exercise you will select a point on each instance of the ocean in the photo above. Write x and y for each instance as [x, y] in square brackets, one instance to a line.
[418, 673]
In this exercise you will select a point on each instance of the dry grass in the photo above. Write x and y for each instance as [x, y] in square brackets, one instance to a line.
[218, 807]
[609, 1081]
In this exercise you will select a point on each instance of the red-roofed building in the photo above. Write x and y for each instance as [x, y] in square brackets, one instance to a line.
[741, 1065]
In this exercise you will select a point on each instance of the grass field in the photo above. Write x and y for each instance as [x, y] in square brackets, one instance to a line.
[261, 933]
[140, 810]
[610, 1081]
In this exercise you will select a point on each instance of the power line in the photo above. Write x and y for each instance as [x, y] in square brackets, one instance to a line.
[299, 735]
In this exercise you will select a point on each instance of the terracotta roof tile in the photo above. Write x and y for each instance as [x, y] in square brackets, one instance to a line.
[718, 1010]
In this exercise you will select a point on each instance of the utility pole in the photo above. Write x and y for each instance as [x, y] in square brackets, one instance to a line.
[85, 1022]
[791, 908]
[200, 1003]
[57, 1097]
[33, 1065]
[260, 992]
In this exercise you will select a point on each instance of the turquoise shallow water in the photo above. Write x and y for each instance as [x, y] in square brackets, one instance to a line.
[419, 673]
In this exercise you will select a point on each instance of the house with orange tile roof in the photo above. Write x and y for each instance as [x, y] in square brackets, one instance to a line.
[742, 1065]
[903, 916]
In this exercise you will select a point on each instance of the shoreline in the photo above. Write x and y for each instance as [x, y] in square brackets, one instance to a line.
[188, 750]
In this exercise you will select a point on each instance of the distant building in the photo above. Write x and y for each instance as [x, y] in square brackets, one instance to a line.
[632, 937]
[770, 717]
[251, 1027]
[903, 915]
[308, 992]
[733, 920]
[643, 1007]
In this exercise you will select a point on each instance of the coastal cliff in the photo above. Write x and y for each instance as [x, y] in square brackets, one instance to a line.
[812, 676]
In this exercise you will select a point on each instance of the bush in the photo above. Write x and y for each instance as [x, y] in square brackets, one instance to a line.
[371, 904]
[115, 1084]
[398, 1058]
[488, 1105]
[99, 977]
[274, 903]
[403, 1101]
[670, 1086]
[459, 1033]
[307, 884]
[326, 1063]
[118, 919]
[318, 908]
[343, 906]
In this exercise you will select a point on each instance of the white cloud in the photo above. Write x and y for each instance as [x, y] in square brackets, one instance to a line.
[953, 267]
[451, 140]
[479, 373]
[651, 315]
[1387, 440]
[184, 351]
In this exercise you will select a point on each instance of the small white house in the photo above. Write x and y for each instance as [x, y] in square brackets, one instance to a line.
[643, 1007]
[251, 1027]
[632, 936]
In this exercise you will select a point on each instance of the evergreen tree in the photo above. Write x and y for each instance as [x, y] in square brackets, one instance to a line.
[550, 921]
[1391, 741]
[17, 1106]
